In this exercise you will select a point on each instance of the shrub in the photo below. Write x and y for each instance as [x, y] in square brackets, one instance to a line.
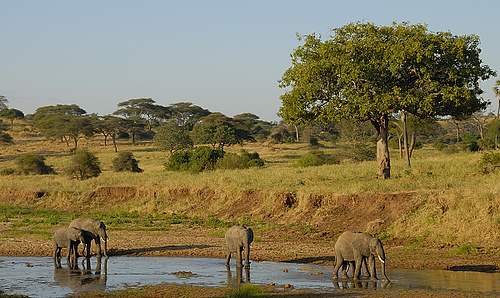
[83, 165]
[469, 142]
[33, 164]
[178, 161]
[7, 171]
[485, 144]
[204, 158]
[489, 162]
[231, 161]
[5, 137]
[125, 161]
[235, 161]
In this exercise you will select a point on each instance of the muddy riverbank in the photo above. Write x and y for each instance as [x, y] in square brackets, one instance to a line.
[284, 245]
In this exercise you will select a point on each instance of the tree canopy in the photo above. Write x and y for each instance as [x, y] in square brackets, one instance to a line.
[367, 72]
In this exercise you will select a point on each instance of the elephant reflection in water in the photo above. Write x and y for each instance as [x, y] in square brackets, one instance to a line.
[357, 284]
[238, 278]
[84, 279]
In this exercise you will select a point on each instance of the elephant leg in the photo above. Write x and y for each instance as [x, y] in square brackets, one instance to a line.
[365, 268]
[338, 263]
[56, 259]
[228, 257]
[357, 268]
[68, 260]
[373, 271]
[239, 262]
[345, 268]
[98, 244]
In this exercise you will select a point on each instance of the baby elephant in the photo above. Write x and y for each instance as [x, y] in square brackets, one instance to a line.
[69, 239]
[238, 238]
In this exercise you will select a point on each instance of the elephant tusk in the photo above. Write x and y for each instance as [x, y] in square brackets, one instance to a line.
[381, 259]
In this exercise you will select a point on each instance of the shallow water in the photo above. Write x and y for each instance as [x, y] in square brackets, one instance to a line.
[37, 277]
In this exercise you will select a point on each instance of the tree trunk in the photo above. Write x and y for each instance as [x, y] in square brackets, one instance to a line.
[405, 138]
[296, 133]
[412, 143]
[383, 161]
[113, 137]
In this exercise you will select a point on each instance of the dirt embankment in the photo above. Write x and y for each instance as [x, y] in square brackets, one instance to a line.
[317, 222]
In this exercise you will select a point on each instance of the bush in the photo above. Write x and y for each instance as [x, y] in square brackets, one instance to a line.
[83, 165]
[7, 171]
[125, 161]
[489, 162]
[204, 158]
[5, 137]
[243, 161]
[469, 142]
[178, 161]
[33, 164]
[485, 144]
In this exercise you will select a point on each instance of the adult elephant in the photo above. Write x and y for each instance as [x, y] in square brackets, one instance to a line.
[353, 247]
[94, 229]
[238, 238]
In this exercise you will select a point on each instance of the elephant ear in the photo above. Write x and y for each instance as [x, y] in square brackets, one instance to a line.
[359, 244]
[374, 244]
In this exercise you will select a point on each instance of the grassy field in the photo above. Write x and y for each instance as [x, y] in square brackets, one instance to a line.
[456, 205]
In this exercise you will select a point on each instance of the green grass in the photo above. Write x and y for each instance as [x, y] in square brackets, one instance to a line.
[456, 203]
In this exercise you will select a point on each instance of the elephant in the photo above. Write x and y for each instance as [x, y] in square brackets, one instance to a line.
[346, 265]
[67, 238]
[238, 238]
[94, 229]
[354, 246]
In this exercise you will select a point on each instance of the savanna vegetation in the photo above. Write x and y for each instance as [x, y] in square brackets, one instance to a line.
[450, 184]
[153, 168]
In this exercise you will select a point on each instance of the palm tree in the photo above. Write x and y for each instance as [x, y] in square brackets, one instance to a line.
[496, 90]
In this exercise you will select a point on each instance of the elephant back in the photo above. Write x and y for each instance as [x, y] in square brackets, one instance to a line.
[239, 232]
[88, 224]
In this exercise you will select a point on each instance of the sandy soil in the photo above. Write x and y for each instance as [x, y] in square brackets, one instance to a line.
[288, 245]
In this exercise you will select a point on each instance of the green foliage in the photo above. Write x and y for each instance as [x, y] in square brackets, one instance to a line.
[7, 171]
[83, 165]
[469, 142]
[172, 137]
[386, 67]
[489, 162]
[281, 135]
[179, 161]
[246, 291]
[204, 158]
[125, 161]
[465, 249]
[243, 161]
[33, 164]
[218, 130]
[212, 221]
[5, 137]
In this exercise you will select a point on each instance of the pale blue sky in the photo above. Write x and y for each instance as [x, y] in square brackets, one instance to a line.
[225, 56]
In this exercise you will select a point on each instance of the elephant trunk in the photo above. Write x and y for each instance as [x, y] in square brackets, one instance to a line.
[105, 245]
[247, 255]
[381, 257]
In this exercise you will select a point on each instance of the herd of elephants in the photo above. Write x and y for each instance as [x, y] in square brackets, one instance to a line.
[354, 249]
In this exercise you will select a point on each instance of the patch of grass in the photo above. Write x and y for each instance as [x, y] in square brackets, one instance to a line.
[19, 233]
[214, 222]
[465, 249]
[246, 290]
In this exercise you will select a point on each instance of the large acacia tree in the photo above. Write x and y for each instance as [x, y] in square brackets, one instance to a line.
[367, 72]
